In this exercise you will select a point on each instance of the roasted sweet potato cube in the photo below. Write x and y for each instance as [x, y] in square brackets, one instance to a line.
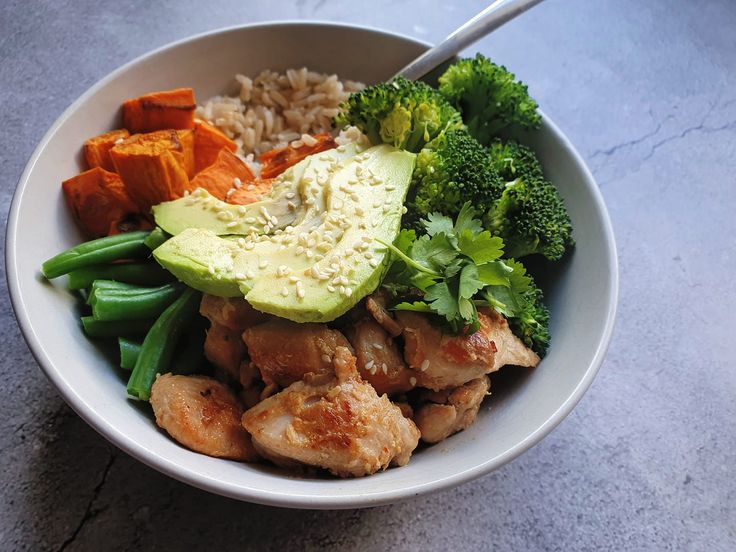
[220, 176]
[170, 109]
[276, 161]
[97, 149]
[251, 192]
[154, 167]
[98, 201]
[208, 141]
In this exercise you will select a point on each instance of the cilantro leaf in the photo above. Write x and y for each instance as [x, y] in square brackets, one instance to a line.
[469, 282]
[416, 306]
[466, 220]
[437, 223]
[495, 273]
[481, 247]
[442, 300]
[433, 252]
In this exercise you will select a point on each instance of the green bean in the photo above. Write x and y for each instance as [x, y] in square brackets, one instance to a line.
[127, 304]
[102, 250]
[160, 342]
[142, 274]
[129, 351]
[107, 328]
[156, 238]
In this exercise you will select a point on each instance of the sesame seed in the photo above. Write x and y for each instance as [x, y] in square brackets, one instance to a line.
[326, 358]
[309, 254]
[390, 188]
[300, 293]
[378, 346]
[369, 364]
[290, 195]
[425, 365]
[211, 269]
[284, 291]
[413, 381]
[239, 276]
[330, 288]
[263, 264]
[373, 263]
[294, 279]
[232, 224]
[249, 274]
[300, 250]
[251, 187]
[250, 245]
[348, 291]
[250, 220]
[236, 182]
[384, 368]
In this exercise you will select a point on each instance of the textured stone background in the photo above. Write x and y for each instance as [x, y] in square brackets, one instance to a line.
[647, 92]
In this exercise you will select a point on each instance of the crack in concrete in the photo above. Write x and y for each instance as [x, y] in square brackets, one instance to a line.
[630, 143]
[698, 128]
[89, 513]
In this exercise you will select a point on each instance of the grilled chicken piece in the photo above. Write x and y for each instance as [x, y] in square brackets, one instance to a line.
[379, 360]
[342, 425]
[509, 348]
[375, 304]
[231, 312]
[203, 415]
[443, 361]
[224, 348]
[285, 351]
[451, 411]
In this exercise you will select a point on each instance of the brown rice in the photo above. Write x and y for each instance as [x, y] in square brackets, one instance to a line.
[273, 109]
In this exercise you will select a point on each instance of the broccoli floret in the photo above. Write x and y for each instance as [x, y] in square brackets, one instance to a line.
[489, 98]
[529, 215]
[531, 324]
[451, 170]
[401, 112]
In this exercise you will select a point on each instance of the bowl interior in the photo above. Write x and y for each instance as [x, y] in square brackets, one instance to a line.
[525, 404]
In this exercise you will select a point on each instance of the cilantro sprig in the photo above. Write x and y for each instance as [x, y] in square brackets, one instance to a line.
[457, 267]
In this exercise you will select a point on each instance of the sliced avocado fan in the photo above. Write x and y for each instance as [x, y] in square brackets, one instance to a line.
[317, 267]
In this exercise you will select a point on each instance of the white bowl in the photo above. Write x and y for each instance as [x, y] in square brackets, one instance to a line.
[525, 406]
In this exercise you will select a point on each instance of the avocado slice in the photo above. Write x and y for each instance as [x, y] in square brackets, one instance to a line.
[284, 203]
[318, 268]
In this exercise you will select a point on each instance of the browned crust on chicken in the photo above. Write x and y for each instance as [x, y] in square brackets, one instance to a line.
[202, 414]
[285, 351]
[342, 426]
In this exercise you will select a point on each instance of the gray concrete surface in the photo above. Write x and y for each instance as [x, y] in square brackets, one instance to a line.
[647, 91]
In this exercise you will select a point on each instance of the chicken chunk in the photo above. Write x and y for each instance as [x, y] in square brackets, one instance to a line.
[375, 304]
[443, 361]
[203, 415]
[509, 348]
[342, 425]
[224, 348]
[232, 312]
[379, 360]
[285, 351]
[451, 411]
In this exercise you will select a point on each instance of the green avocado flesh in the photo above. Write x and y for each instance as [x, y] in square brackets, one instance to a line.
[318, 265]
[283, 203]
